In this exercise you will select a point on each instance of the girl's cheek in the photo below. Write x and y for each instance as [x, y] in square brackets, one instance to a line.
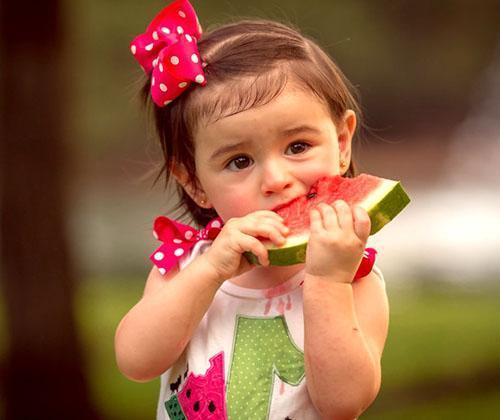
[312, 173]
[236, 206]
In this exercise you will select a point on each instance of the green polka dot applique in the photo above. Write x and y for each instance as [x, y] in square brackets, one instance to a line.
[262, 349]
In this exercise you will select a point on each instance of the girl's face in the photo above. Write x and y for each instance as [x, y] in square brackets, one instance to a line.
[268, 155]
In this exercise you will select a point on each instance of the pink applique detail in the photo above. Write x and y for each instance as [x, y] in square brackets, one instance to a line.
[282, 388]
[281, 289]
[269, 303]
[203, 396]
[281, 306]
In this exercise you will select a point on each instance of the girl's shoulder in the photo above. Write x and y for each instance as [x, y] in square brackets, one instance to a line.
[199, 248]
[378, 272]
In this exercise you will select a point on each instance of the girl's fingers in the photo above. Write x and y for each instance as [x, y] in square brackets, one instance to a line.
[344, 214]
[362, 223]
[253, 245]
[267, 214]
[284, 229]
[275, 231]
[329, 217]
[315, 220]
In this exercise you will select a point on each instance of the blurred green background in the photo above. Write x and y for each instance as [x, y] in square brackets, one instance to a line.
[428, 73]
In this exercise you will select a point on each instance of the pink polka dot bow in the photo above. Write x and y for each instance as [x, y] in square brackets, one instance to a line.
[168, 52]
[178, 239]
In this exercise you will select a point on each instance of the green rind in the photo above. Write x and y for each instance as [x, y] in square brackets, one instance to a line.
[282, 256]
[388, 207]
[381, 213]
[174, 409]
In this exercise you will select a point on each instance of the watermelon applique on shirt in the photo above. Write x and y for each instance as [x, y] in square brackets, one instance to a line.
[202, 396]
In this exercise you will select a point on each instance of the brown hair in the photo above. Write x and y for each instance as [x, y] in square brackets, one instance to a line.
[248, 64]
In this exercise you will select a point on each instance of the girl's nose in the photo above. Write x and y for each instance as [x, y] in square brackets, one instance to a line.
[275, 178]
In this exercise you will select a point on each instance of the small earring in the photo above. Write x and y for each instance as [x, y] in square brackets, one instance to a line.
[202, 202]
[343, 164]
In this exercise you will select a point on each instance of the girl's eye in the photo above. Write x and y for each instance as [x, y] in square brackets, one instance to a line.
[239, 163]
[298, 147]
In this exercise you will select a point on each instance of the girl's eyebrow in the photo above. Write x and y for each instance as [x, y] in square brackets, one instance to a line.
[300, 129]
[229, 148]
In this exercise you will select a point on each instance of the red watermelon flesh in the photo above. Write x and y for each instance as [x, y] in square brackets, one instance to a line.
[382, 198]
[326, 190]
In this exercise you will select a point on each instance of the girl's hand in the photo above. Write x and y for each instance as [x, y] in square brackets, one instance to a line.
[337, 241]
[239, 235]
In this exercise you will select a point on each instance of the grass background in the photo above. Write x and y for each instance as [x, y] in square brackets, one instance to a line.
[442, 358]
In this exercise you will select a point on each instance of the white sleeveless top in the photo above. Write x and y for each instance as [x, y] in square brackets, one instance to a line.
[246, 358]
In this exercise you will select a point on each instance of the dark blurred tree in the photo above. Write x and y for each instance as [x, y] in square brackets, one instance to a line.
[43, 375]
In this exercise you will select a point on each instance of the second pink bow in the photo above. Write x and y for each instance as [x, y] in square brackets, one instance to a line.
[178, 240]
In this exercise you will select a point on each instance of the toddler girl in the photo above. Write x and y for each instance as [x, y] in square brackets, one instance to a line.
[249, 116]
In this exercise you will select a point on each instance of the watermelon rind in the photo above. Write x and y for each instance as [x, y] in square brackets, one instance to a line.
[174, 409]
[385, 205]
[382, 206]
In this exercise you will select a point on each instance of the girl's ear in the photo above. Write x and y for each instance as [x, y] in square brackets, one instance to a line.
[190, 185]
[346, 130]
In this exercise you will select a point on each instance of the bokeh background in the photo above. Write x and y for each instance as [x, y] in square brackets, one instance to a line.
[77, 195]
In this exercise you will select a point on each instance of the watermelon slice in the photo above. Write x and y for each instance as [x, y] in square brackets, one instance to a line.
[382, 198]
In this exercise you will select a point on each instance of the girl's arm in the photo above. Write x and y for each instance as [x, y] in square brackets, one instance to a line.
[155, 332]
[345, 330]
[345, 324]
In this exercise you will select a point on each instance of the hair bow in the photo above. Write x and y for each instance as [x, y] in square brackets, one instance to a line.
[168, 51]
[178, 239]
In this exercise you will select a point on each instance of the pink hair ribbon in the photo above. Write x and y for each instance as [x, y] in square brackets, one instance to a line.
[168, 52]
[178, 240]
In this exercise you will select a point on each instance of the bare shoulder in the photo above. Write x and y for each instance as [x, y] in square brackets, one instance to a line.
[156, 280]
[373, 283]
[372, 309]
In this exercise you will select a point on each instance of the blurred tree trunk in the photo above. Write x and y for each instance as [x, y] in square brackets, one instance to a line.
[43, 374]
